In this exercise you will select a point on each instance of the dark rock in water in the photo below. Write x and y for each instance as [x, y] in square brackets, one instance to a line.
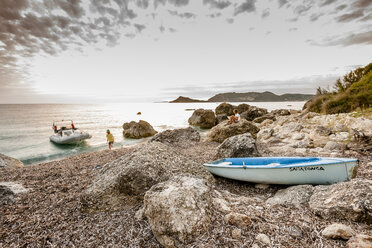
[177, 135]
[281, 112]
[225, 108]
[137, 130]
[253, 113]
[203, 118]
[225, 130]
[179, 210]
[221, 117]
[242, 145]
[9, 162]
[123, 182]
[346, 200]
[265, 117]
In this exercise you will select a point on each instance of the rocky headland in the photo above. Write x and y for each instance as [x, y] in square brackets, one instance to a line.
[158, 194]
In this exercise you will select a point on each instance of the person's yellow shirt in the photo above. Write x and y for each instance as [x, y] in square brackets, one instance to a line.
[110, 137]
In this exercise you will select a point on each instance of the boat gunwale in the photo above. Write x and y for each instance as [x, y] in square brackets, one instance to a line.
[281, 166]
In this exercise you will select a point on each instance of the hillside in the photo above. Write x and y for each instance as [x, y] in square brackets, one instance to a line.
[266, 96]
[353, 92]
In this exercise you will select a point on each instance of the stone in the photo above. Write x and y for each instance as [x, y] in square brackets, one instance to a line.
[221, 205]
[242, 145]
[294, 195]
[243, 107]
[203, 118]
[9, 192]
[338, 231]
[221, 118]
[264, 117]
[137, 130]
[350, 201]
[236, 233]
[360, 241]
[9, 162]
[298, 136]
[123, 182]
[323, 131]
[140, 214]
[225, 108]
[169, 137]
[237, 219]
[253, 113]
[179, 210]
[263, 238]
[334, 146]
[262, 186]
[255, 246]
[280, 112]
[225, 130]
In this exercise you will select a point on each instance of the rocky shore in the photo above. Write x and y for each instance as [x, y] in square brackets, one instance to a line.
[158, 193]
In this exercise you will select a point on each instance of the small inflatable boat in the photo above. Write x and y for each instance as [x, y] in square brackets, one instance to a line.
[65, 133]
[285, 170]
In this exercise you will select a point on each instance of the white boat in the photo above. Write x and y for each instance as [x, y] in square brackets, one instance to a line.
[65, 133]
[285, 170]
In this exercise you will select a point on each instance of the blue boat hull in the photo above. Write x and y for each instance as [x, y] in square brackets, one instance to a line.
[285, 170]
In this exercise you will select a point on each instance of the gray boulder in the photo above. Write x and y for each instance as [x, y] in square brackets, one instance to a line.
[243, 107]
[253, 113]
[137, 130]
[181, 135]
[9, 192]
[225, 130]
[221, 118]
[9, 162]
[225, 108]
[294, 195]
[203, 118]
[264, 117]
[360, 241]
[179, 210]
[280, 112]
[242, 145]
[347, 200]
[123, 182]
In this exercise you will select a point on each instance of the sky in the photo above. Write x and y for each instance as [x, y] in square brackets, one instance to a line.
[97, 51]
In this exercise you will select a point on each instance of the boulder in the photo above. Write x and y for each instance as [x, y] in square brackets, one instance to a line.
[338, 231]
[264, 117]
[294, 195]
[281, 112]
[237, 219]
[9, 162]
[225, 108]
[360, 241]
[225, 130]
[123, 182]
[263, 238]
[243, 107]
[203, 118]
[137, 130]
[334, 146]
[179, 210]
[253, 113]
[177, 135]
[9, 191]
[220, 118]
[242, 145]
[346, 200]
[236, 233]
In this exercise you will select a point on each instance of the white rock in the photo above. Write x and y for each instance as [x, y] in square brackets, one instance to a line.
[360, 241]
[338, 231]
[236, 233]
[237, 219]
[294, 195]
[262, 186]
[263, 238]
[16, 188]
[221, 205]
[298, 136]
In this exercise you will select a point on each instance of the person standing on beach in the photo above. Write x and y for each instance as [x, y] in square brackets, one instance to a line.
[110, 138]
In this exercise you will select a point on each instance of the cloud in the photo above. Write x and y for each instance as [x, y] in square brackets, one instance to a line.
[177, 3]
[247, 6]
[350, 16]
[314, 17]
[364, 38]
[186, 15]
[214, 15]
[327, 2]
[139, 27]
[218, 4]
[265, 13]
[282, 3]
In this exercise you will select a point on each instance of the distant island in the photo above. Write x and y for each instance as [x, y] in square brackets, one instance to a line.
[266, 96]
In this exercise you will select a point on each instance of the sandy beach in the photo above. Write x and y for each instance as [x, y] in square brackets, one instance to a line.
[49, 215]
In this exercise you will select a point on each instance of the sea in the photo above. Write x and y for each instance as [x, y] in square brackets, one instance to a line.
[25, 128]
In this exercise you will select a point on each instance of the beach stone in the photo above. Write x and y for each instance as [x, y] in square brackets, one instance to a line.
[242, 145]
[169, 137]
[360, 241]
[220, 118]
[262, 186]
[225, 130]
[9, 162]
[137, 130]
[280, 112]
[203, 118]
[236, 233]
[338, 231]
[221, 205]
[179, 210]
[323, 131]
[237, 219]
[294, 195]
[253, 113]
[225, 108]
[334, 146]
[9, 191]
[123, 182]
[346, 200]
[263, 238]
[264, 117]
[243, 107]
